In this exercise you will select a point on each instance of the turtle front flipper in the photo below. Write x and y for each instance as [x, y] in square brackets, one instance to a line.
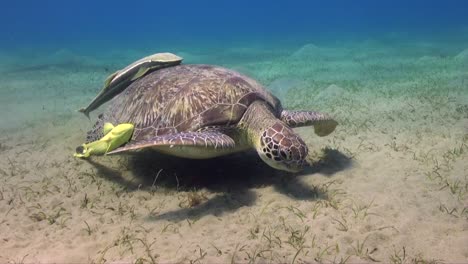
[323, 123]
[196, 145]
[114, 138]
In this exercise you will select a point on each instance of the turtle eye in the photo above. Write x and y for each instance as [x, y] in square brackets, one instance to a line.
[283, 154]
[79, 149]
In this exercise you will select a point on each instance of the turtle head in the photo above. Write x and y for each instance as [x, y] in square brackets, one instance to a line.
[281, 148]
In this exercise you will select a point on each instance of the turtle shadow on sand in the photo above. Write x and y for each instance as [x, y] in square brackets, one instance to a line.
[233, 177]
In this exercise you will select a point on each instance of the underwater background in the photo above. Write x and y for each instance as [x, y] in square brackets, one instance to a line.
[389, 185]
[89, 26]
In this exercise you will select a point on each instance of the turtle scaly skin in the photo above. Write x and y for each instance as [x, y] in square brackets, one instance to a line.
[276, 143]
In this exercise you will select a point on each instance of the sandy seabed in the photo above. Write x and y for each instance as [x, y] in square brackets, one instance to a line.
[389, 185]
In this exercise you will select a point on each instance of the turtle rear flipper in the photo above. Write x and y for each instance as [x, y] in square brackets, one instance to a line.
[323, 123]
[184, 144]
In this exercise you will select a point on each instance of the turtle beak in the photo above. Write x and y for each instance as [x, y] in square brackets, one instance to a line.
[300, 167]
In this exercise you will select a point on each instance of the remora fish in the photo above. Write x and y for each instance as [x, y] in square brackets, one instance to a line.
[118, 81]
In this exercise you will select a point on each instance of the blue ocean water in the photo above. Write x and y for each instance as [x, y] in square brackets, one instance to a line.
[96, 25]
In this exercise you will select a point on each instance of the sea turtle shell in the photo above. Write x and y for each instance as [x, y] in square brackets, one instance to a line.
[184, 98]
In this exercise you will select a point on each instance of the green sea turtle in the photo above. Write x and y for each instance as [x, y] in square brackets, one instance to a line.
[119, 80]
[203, 111]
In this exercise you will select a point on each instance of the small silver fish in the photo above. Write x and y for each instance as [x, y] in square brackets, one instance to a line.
[118, 81]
